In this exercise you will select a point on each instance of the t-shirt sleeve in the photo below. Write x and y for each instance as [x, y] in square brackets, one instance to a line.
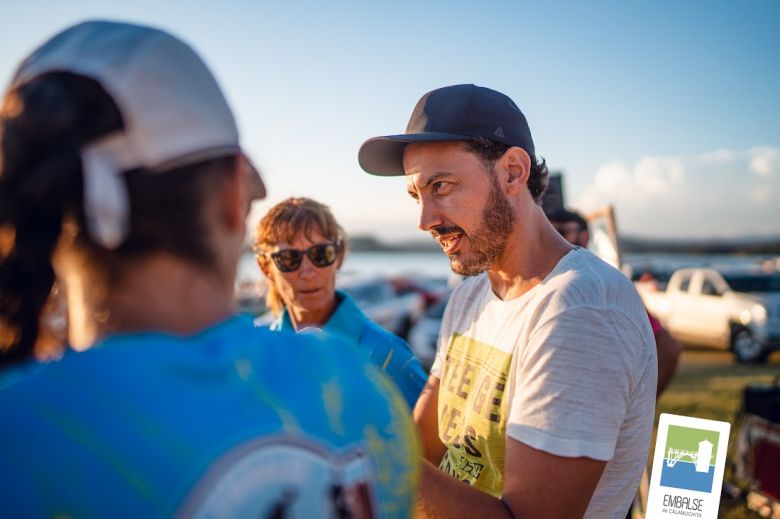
[573, 383]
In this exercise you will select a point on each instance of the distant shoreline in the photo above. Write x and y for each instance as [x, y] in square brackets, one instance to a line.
[628, 245]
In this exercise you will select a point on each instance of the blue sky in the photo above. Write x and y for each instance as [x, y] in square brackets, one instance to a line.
[669, 110]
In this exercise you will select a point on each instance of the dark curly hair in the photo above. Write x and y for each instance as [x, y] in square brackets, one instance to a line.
[490, 151]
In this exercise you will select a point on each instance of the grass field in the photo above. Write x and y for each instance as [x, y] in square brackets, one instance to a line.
[708, 384]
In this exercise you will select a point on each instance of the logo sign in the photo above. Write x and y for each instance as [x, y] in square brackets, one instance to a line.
[690, 454]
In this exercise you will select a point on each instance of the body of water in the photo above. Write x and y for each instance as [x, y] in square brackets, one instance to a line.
[426, 264]
[436, 264]
[684, 475]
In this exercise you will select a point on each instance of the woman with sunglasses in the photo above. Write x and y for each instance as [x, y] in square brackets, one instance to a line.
[299, 247]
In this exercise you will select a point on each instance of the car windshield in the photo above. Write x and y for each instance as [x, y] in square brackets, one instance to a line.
[754, 282]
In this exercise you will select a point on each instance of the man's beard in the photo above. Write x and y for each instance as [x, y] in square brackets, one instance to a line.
[489, 241]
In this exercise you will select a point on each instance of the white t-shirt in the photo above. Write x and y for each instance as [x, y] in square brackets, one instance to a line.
[568, 368]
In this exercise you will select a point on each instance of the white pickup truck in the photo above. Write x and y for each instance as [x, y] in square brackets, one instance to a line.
[736, 309]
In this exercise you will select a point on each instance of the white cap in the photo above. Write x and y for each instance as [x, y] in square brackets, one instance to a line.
[173, 111]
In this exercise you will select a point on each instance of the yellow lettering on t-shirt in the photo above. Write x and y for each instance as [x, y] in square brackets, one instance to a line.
[482, 393]
[451, 424]
[472, 411]
[465, 381]
[452, 373]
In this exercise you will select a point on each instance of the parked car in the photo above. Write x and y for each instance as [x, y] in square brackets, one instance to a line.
[647, 273]
[431, 289]
[424, 335]
[377, 299]
[736, 309]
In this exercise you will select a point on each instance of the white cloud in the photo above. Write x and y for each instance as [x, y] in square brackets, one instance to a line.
[656, 176]
[719, 156]
[761, 194]
[612, 181]
[765, 161]
[611, 177]
[716, 194]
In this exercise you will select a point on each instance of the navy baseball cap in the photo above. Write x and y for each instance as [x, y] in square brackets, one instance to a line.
[452, 113]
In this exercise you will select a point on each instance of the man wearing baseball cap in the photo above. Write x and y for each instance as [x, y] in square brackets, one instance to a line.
[542, 394]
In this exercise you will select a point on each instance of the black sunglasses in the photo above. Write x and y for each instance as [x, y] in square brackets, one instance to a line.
[321, 255]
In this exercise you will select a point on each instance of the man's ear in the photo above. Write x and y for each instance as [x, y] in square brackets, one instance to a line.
[517, 163]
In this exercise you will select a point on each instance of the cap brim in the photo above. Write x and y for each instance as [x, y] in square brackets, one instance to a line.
[256, 185]
[384, 156]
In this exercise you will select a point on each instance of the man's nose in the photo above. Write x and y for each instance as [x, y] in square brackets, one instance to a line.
[429, 216]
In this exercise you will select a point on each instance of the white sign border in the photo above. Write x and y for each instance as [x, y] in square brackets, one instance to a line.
[711, 499]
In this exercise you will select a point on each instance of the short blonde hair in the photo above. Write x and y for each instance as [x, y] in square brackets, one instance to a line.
[283, 223]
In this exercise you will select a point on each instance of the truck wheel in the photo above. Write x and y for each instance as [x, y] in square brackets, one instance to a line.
[745, 347]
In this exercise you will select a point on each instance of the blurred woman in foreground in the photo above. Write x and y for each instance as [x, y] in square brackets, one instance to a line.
[300, 247]
[122, 176]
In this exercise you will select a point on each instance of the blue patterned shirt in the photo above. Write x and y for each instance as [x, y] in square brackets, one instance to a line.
[234, 421]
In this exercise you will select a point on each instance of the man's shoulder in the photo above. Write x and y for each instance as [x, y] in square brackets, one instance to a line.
[586, 266]
[583, 279]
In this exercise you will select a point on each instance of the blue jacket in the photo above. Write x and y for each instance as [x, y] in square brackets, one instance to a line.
[234, 421]
[385, 350]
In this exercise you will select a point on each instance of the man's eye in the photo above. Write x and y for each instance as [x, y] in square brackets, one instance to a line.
[439, 187]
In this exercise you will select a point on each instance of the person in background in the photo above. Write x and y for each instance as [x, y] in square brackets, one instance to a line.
[122, 176]
[574, 227]
[300, 247]
[542, 393]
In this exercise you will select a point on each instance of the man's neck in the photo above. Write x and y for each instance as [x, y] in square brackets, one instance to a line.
[532, 252]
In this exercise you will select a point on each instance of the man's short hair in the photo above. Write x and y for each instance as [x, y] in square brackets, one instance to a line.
[490, 151]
